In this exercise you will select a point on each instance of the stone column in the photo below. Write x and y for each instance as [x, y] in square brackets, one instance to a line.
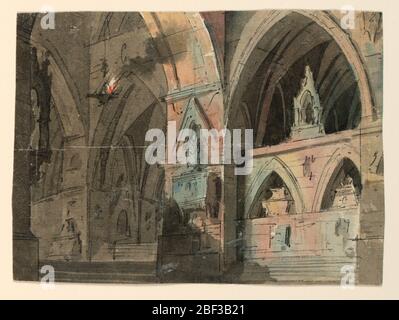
[231, 243]
[25, 244]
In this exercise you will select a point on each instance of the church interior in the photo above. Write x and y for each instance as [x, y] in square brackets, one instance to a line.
[86, 202]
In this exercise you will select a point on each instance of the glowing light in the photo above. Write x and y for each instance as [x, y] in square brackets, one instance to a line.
[111, 86]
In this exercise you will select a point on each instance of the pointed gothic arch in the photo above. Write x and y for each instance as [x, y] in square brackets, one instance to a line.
[273, 166]
[63, 91]
[193, 112]
[122, 224]
[330, 171]
[258, 27]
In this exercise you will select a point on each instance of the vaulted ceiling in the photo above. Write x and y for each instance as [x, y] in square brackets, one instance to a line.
[290, 45]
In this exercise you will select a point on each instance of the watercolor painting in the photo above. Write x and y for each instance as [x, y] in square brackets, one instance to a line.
[212, 147]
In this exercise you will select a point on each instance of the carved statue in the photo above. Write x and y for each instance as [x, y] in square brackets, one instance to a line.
[307, 110]
[67, 244]
[345, 196]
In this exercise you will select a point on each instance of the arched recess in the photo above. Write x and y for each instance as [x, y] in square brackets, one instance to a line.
[63, 91]
[248, 55]
[167, 33]
[49, 179]
[117, 118]
[330, 171]
[122, 128]
[122, 224]
[140, 68]
[60, 119]
[257, 186]
[241, 119]
[273, 191]
[173, 218]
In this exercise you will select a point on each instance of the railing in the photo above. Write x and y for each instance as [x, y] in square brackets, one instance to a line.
[328, 139]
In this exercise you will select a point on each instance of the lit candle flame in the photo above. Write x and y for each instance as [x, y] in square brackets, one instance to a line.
[111, 86]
